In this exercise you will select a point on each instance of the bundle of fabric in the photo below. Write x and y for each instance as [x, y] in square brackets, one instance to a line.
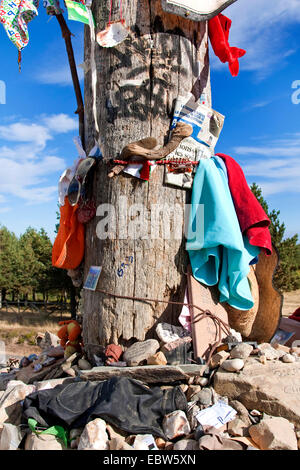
[229, 236]
[126, 403]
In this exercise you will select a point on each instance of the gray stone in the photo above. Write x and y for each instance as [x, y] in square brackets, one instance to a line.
[274, 434]
[203, 381]
[5, 378]
[94, 436]
[233, 365]
[192, 412]
[83, 364]
[140, 351]
[273, 388]
[205, 397]
[42, 442]
[176, 424]
[186, 444]
[11, 437]
[10, 403]
[241, 351]
[49, 340]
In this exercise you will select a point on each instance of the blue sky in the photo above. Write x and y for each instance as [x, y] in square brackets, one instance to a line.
[261, 130]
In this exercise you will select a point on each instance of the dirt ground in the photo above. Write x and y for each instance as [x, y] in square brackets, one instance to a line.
[19, 333]
[291, 301]
[19, 338]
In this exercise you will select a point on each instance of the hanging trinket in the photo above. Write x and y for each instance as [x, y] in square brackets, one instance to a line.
[115, 31]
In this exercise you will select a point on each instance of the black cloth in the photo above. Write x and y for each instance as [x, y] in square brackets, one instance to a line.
[126, 403]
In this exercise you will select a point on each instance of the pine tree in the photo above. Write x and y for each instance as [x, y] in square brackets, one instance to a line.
[287, 275]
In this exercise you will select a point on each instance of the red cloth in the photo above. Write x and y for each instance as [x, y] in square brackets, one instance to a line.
[253, 220]
[295, 315]
[218, 31]
[113, 352]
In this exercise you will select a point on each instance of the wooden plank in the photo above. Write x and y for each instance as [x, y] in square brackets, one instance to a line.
[147, 374]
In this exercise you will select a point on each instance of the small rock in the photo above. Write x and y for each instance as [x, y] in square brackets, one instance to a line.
[83, 364]
[184, 387]
[118, 443]
[242, 412]
[140, 352]
[193, 410]
[255, 413]
[192, 390]
[238, 428]
[203, 381]
[263, 359]
[186, 444]
[42, 442]
[274, 434]
[268, 351]
[281, 347]
[160, 443]
[168, 333]
[176, 424]
[241, 351]
[158, 359]
[199, 432]
[234, 337]
[233, 365]
[94, 436]
[140, 442]
[204, 397]
[295, 350]
[10, 403]
[10, 437]
[218, 358]
[288, 358]
[75, 437]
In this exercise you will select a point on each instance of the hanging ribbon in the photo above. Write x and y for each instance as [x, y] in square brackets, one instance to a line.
[93, 62]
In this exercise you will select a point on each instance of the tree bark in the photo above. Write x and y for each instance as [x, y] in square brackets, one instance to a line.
[138, 82]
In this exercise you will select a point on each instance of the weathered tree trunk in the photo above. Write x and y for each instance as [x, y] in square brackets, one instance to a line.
[138, 82]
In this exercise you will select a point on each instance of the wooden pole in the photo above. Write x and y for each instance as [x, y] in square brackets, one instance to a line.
[138, 82]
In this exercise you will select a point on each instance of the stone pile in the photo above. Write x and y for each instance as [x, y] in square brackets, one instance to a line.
[260, 382]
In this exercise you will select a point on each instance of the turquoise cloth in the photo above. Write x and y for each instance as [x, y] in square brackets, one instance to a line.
[219, 254]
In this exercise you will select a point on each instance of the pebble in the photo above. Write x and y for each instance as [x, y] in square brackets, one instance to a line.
[140, 351]
[203, 381]
[176, 424]
[233, 365]
[288, 358]
[192, 390]
[83, 364]
[241, 351]
[205, 397]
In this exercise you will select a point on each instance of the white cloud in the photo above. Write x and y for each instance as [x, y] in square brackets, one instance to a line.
[26, 168]
[58, 76]
[277, 168]
[61, 123]
[25, 132]
[261, 28]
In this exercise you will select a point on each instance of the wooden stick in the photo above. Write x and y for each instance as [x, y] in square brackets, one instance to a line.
[66, 34]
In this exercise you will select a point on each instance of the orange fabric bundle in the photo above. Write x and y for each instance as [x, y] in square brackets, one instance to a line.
[68, 248]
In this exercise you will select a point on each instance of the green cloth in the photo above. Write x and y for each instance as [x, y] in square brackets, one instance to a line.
[57, 431]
